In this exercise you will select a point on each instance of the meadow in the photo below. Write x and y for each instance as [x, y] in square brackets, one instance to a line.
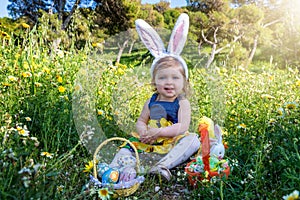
[49, 99]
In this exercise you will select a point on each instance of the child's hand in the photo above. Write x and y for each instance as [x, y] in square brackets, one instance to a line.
[150, 136]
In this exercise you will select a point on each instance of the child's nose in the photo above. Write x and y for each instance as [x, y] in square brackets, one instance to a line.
[169, 80]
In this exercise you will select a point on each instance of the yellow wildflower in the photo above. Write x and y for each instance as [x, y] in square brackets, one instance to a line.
[271, 78]
[224, 70]
[60, 188]
[120, 71]
[242, 125]
[12, 78]
[4, 35]
[59, 79]
[47, 154]
[23, 131]
[94, 44]
[109, 117]
[267, 96]
[88, 167]
[24, 25]
[28, 119]
[293, 196]
[121, 66]
[77, 87]
[37, 84]
[26, 65]
[272, 121]
[291, 105]
[281, 112]
[61, 89]
[104, 193]
[100, 112]
[46, 69]
[26, 74]
[6, 84]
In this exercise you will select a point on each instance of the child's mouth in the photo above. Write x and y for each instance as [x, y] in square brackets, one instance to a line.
[168, 90]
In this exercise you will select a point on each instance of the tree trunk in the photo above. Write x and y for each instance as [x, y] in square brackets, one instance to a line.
[121, 51]
[131, 47]
[255, 42]
[212, 56]
[66, 23]
[251, 55]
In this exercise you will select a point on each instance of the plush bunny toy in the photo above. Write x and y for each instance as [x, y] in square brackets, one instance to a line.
[217, 148]
[155, 45]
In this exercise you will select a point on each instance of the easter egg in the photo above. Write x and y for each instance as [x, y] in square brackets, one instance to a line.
[199, 160]
[214, 163]
[111, 176]
[101, 168]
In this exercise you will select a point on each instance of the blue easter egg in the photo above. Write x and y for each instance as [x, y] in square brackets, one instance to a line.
[111, 176]
[101, 168]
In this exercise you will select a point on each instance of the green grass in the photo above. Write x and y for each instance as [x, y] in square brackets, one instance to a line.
[46, 99]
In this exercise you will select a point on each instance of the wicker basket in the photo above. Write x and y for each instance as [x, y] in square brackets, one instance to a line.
[119, 192]
[195, 177]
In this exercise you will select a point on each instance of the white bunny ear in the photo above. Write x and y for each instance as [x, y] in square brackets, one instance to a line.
[218, 133]
[179, 35]
[150, 38]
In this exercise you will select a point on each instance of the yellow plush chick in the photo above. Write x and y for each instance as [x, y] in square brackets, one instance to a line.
[209, 122]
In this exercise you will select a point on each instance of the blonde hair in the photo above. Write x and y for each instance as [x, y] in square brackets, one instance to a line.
[167, 62]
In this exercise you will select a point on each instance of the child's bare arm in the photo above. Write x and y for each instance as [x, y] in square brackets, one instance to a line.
[141, 124]
[184, 119]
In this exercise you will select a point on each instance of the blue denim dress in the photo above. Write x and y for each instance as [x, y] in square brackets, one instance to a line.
[163, 109]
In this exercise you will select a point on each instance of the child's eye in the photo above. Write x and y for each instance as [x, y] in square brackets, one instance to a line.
[161, 77]
[175, 77]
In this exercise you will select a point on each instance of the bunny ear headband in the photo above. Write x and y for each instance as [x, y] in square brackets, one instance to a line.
[155, 45]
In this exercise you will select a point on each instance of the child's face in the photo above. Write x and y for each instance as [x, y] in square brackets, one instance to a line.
[169, 83]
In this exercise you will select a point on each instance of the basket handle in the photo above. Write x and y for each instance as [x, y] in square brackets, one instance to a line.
[201, 128]
[204, 149]
[107, 141]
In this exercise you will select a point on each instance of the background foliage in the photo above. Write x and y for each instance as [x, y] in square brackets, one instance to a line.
[256, 102]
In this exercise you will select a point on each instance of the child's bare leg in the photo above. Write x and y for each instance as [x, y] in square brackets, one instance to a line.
[185, 148]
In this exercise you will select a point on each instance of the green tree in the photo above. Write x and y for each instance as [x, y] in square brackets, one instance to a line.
[116, 15]
[170, 17]
[152, 16]
[29, 8]
[259, 3]
[249, 20]
[32, 9]
[285, 46]
[207, 6]
[216, 32]
[162, 6]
